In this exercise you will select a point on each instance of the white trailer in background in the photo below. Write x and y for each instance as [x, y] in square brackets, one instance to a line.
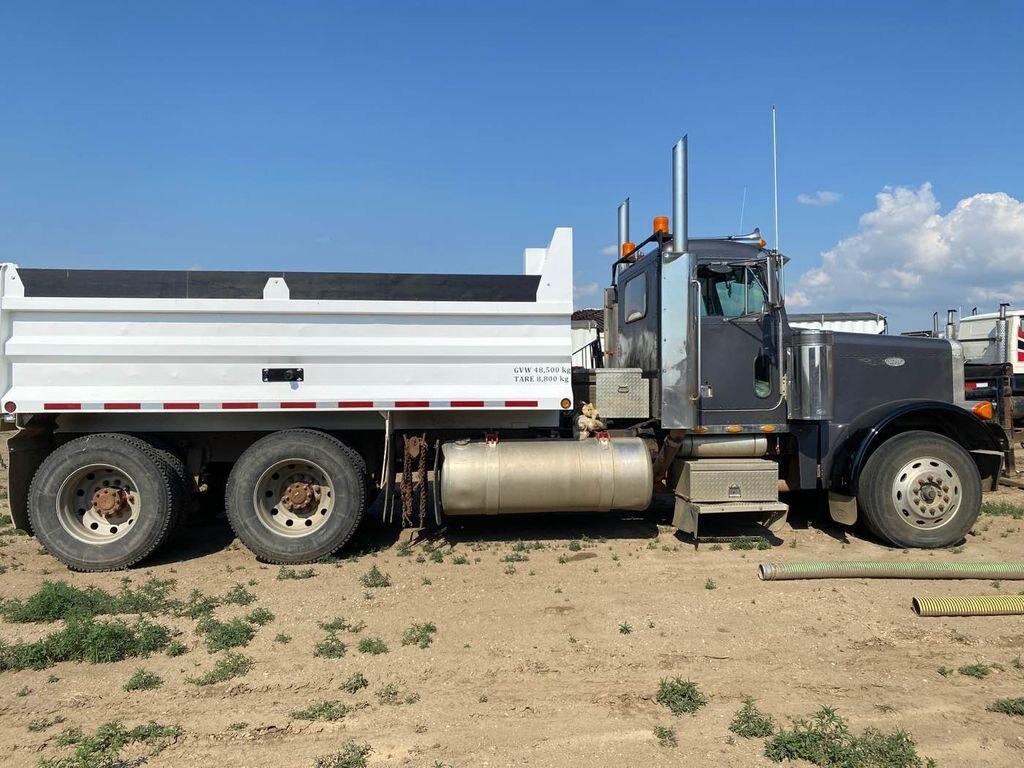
[847, 322]
[986, 342]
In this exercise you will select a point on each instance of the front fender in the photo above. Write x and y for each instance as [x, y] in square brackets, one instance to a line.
[985, 441]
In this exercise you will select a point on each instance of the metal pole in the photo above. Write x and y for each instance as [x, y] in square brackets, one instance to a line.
[680, 236]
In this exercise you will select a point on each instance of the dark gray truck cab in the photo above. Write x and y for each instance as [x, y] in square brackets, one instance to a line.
[737, 395]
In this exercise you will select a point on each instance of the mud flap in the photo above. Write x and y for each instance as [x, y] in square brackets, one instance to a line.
[843, 509]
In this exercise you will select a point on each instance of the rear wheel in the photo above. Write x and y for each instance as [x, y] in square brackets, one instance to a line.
[296, 496]
[920, 489]
[101, 502]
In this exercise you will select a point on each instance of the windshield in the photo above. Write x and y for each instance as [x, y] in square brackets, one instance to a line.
[731, 291]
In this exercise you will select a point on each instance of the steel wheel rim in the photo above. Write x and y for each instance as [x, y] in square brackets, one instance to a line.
[279, 494]
[98, 504]
[927, 493]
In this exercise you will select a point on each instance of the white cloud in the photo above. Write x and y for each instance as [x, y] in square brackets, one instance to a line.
[610, 250]
[820, 198]
[583, 291]
[907, 255]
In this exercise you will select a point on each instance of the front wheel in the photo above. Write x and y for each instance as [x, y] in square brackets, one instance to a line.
[296, 496]
[920, 489]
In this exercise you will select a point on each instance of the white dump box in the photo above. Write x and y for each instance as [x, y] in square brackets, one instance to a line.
[80, 342]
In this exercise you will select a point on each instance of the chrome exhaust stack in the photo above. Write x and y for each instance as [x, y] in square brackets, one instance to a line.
[1003, 335]
[951, 324]
[679, 385]
[680, 233]
[623, 226]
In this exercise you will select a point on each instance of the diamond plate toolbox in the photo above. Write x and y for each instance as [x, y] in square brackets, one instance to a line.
[708, 480]
[621, 393]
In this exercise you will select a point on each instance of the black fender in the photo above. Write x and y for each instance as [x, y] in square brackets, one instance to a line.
[986, 441]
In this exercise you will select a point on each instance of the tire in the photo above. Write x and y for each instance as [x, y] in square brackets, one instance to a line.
[171, 466]
[296, 496]
[181, 485]
[920, 489]
[138, 499]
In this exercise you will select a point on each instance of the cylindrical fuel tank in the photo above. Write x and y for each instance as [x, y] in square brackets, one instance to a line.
[545, 476]
[723, 446]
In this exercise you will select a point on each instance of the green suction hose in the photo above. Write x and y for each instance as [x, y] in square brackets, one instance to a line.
[988, 605]
[889, 569]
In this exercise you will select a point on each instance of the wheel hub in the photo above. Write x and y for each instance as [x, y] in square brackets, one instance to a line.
[926, 493]
[98, 503]
[299, 496]
[293, 497]
[109, 501]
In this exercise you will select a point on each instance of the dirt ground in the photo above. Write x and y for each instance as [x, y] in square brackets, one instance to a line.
[530, 665]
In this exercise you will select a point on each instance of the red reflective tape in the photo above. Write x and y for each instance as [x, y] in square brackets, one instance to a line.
[412, 404]
[299, 404]
[122, 406]
[520, 403]
[355, 403]
[62, 406]
[239, 406]
[181, 406]
[467, 403]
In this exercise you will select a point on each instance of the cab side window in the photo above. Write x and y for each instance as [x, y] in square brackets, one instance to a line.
[634, 298]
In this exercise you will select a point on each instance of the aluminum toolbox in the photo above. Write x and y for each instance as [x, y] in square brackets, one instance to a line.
[727, 480]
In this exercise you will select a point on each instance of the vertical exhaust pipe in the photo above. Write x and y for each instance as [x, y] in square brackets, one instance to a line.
[951, 324]
[680, 233]
[1003, 336]
[623, 226]
[935, 325]
[679, 379]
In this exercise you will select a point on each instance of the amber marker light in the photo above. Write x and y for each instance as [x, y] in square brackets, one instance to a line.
[566, 402]
[983, 410]
[661, 225]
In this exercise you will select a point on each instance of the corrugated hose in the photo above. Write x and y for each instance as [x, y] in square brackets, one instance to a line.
[889, 569]
[988, 605]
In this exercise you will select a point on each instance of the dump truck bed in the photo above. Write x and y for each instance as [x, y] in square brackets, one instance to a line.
[125, 341]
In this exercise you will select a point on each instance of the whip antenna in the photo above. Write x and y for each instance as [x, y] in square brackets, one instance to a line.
[775, 174]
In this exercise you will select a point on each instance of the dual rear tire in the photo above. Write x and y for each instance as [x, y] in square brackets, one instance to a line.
[296, 496]
[104, 502]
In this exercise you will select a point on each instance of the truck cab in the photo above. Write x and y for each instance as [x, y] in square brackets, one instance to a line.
[745, 404]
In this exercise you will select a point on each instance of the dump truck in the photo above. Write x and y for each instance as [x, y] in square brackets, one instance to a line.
[454, 395]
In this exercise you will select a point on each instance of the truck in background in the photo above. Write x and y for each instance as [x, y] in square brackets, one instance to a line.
[993, 344]
[130, 390]
[850, 322]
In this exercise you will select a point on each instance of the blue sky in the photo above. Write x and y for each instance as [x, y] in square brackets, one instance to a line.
[443, 137]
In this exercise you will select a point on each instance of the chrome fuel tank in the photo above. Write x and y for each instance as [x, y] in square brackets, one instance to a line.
[589, 475]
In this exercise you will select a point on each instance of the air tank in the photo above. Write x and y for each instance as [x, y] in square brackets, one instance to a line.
[592, 475]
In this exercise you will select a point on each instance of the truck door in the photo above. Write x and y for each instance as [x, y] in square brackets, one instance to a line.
[639, 315]
[739, 355]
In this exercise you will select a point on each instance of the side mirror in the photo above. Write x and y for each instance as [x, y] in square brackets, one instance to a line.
[774, 283]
